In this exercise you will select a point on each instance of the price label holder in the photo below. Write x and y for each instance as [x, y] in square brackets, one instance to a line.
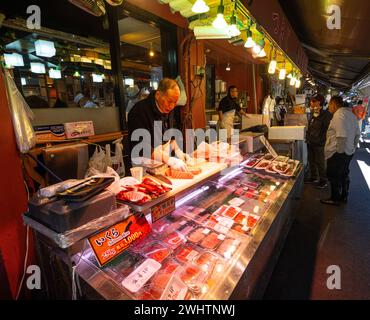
[162, 209]
[112, 241]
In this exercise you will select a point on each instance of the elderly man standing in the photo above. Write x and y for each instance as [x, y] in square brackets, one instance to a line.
[157, 107]
[341, 143]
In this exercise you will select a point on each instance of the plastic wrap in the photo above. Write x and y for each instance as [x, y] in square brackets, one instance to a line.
[67, 239]
[21, 116]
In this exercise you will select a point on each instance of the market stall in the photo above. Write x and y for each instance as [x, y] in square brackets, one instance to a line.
[212, 236]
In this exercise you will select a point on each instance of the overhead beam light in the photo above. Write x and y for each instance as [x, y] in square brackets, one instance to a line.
[45, 48]
[55, 74]
[13, 60]
[219, 22]
[37, 67]
[200, 7]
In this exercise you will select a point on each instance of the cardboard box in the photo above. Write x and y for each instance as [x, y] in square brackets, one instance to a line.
[53, 132]
[250, 142]
[79, 129]
[287, 133]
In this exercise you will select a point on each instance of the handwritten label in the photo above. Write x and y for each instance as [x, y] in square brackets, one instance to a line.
[136, 279]
[163, 209]
[175, 290]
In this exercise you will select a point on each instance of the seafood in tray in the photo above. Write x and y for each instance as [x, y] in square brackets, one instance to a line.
[186, 253]
[263, 165]
[206, 260]
[147, 190]
[156, 251]
[228, 247]
[292, 167]
[178, 174]
[198, 234]
[212, 240]
[253, 160]
[174, 240]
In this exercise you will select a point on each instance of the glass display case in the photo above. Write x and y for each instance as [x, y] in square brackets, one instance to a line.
[217, 244]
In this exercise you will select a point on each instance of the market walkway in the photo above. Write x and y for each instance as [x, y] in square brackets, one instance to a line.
[324, 235]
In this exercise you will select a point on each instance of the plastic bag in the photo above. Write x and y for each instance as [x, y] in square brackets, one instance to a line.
[183, 98]
[117, 161]
[98, 160]
[21, 115]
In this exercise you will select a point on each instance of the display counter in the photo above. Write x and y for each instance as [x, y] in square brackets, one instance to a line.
[220, 242]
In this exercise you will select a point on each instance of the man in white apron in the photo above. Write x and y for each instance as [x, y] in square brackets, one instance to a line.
[227, 108]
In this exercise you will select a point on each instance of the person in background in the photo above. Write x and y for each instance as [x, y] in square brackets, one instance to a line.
[59, 103]
[341, 143]
[83, 101]
[359, 111]
[135, 96]
[316, 138]
[35, 101]
[280, 111]
[227, 108]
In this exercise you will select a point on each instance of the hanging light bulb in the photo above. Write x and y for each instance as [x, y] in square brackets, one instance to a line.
[282, 72]
[272, 65]
[233, 28]
[259, 47]
[76, 74]
[249, 43]
[228, 68]
[200, 7]
[151, 51]
[219, 22]
[262, 54]
[292, 81]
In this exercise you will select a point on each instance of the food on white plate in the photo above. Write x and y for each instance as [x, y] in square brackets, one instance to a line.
[147, 190]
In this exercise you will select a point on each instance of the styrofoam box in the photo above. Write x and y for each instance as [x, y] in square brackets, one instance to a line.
[287, 133]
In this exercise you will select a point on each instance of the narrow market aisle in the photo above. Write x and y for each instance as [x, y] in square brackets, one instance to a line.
[322, 236]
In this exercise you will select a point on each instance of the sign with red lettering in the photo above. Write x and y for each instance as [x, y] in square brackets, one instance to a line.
[162, 209]
[111, 242]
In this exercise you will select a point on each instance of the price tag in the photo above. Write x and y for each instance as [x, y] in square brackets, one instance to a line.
[111, 242]
[221, 237]
[163, 209]
[206, 231]
[175, 290]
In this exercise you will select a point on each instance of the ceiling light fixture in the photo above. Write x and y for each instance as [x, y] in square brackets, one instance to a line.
[272, 65]
[200, 7]
[228, 68]
[259, 46]
[233, 28]
[151, 51]
[249, 44]
[13, 60]
[219, 22]
[37, 67]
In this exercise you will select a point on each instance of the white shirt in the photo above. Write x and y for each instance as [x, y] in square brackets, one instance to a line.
[343, 125]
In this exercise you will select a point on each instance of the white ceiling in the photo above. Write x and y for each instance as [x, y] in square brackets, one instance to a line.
[140, 33]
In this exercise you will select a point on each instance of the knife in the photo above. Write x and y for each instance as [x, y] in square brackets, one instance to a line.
[161, 177]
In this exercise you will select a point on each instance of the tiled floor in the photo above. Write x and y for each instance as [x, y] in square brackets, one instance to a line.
[322, 236]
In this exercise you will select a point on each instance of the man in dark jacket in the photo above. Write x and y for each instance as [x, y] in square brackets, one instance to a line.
[316, 138]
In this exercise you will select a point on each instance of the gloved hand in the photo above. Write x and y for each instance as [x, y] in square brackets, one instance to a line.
[177, 164]
[189, 160]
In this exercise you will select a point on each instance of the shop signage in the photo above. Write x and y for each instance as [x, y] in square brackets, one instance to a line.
[111, 242]
[162, 209]
[278, 27]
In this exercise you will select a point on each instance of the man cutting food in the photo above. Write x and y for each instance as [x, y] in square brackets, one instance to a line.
[153, 116]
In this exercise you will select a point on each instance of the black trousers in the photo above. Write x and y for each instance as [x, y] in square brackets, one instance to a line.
[338, 175]
[316, 161]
